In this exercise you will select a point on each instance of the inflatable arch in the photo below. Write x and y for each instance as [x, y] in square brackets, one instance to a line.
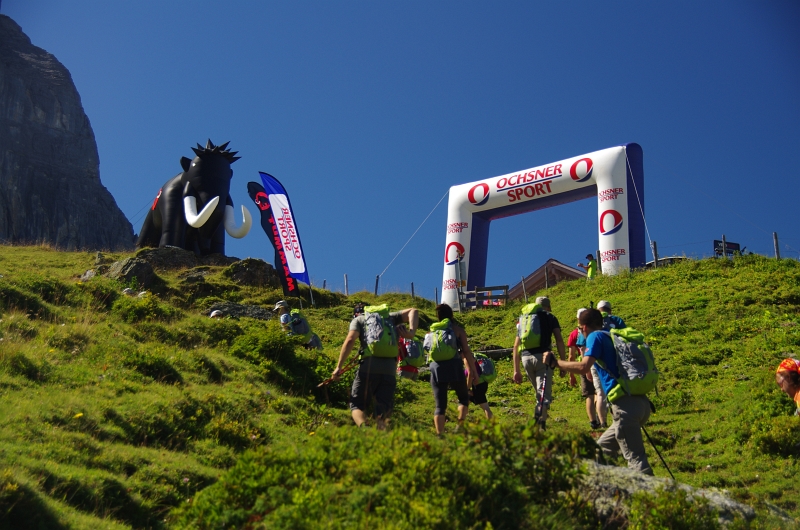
[615, 176]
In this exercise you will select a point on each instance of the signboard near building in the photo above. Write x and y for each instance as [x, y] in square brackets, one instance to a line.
[730, 248]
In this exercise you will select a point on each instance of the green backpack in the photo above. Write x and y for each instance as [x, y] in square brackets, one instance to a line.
[530, 327]
[299, 325]
[379, 333]
[638, 374]
[415, 354]
[441, 343]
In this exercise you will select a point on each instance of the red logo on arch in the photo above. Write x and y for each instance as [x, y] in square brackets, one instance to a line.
[616, 222]
[581, 170]
[484, 192]
[448, 252]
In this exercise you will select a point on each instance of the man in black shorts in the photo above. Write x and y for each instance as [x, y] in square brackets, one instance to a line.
[375, 378]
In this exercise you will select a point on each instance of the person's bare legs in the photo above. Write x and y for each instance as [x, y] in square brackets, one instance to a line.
[382, 423]
[359, 417]
[602, 411]
[462, 413]
[590, 409]
[487, 410]
[438, 422]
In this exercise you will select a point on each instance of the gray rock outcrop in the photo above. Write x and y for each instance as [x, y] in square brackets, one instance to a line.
[253, 272]
[132, 270]
[172, 258]
[50, 189]
[611, 487]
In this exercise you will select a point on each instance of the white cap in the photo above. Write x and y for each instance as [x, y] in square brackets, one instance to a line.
[216, 314]
[281, 303]
[543, 301]
[581, 310]
[604, 303]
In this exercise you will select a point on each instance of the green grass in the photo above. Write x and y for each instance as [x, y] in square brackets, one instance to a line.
[126, 412]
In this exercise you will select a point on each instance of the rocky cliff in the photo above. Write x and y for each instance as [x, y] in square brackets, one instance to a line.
[50, 189]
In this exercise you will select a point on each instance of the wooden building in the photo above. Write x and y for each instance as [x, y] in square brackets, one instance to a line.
[549, 274]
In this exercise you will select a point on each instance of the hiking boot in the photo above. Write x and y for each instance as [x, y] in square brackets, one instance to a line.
[594, 425]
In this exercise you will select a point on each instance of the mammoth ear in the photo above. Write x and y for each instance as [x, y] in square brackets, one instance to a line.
[185, 163]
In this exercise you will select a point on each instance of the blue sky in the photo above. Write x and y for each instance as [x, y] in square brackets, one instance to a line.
[369, 111]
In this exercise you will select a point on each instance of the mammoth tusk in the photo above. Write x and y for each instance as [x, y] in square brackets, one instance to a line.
[230, 223]
[194, 219]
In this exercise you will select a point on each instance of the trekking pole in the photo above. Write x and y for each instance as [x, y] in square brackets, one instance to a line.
[347, 367]
[659, 454]
[537, 415]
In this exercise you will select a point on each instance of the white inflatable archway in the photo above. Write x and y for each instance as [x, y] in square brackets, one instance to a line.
[615, 176]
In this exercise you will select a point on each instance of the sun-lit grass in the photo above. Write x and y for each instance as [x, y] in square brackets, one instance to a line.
[118, 410]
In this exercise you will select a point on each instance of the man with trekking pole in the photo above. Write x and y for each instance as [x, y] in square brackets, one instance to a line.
[535, 330]
[377, 329]
[630, 406]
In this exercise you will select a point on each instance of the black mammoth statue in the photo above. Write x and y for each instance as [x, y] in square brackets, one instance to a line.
[173, 220]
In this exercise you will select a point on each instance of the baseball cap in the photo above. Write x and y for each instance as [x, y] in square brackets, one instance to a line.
[589, 256]
[604, 303]
[581, 310]
[543, 301]
[280, 304]
[216, 314]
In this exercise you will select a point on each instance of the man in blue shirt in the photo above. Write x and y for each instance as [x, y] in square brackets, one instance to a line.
[630, 413]
[609, 321]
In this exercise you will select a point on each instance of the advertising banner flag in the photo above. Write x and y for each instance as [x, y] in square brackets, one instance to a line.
[278, 223]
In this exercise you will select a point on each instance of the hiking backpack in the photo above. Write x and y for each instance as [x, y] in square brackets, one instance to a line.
[380, 335]
[530, 327]
[638, 374]
[299, 325]
[414, 354]
[441, 343]
[486, 368]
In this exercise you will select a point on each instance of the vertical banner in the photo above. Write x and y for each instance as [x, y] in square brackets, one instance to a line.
[278, 223]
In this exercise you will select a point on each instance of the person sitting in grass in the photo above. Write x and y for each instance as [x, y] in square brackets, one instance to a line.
[295, 323]
[788, 378]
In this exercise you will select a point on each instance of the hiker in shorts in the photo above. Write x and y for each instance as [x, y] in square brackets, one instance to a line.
[595, 399]
[375, 379]
[630, 412]
[539, 374]
[295, 323]
[787, 377]
[477, 394]
[590, 267]
[449, 374]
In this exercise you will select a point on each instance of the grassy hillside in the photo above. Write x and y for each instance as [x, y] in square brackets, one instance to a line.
[119, 410]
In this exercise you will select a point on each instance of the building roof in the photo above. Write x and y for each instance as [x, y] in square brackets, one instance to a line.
[549, 274]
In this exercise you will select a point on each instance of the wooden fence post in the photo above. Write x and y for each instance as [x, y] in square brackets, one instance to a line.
[775, 242]
[654, 247]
